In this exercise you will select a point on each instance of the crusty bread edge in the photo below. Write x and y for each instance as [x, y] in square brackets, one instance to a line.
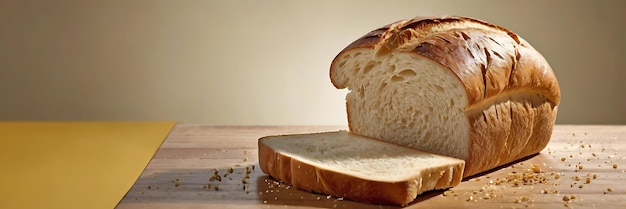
[307, 177]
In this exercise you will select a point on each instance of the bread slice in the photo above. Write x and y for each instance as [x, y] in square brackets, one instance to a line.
[356, 167]
[454, 86]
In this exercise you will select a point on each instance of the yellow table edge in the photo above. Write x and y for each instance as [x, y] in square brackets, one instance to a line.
[74, 164]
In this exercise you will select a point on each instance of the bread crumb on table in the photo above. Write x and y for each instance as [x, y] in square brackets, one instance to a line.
[536, 168]
[176, 184]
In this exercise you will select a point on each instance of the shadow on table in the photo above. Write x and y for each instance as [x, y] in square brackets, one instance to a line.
[274, 193]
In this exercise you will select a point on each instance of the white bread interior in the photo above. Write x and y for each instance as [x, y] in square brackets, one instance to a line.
[408, 97]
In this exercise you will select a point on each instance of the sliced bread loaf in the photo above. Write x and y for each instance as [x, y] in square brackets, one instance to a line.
[356, 167]
[454, 86]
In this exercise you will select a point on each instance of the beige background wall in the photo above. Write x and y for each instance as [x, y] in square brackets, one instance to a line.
[264, 62]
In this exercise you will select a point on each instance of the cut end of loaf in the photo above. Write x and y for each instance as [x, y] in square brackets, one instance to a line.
[356, 167]
[405, 99]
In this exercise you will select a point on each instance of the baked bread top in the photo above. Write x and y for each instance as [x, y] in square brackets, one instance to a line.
[484, 56]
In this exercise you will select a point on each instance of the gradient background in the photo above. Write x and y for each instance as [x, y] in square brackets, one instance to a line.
[265, 62]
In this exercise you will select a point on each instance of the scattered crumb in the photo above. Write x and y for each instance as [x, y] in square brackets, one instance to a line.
[216, 176]
[446, 193]
[536, 168]
[614, 166]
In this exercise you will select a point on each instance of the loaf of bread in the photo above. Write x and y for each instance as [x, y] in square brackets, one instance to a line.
[454, 86]
[356, 167]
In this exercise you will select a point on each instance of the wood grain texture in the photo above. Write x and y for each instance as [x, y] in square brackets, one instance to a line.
[178, 175]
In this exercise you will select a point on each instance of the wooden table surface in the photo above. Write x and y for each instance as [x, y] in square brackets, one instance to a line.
[582, 167]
